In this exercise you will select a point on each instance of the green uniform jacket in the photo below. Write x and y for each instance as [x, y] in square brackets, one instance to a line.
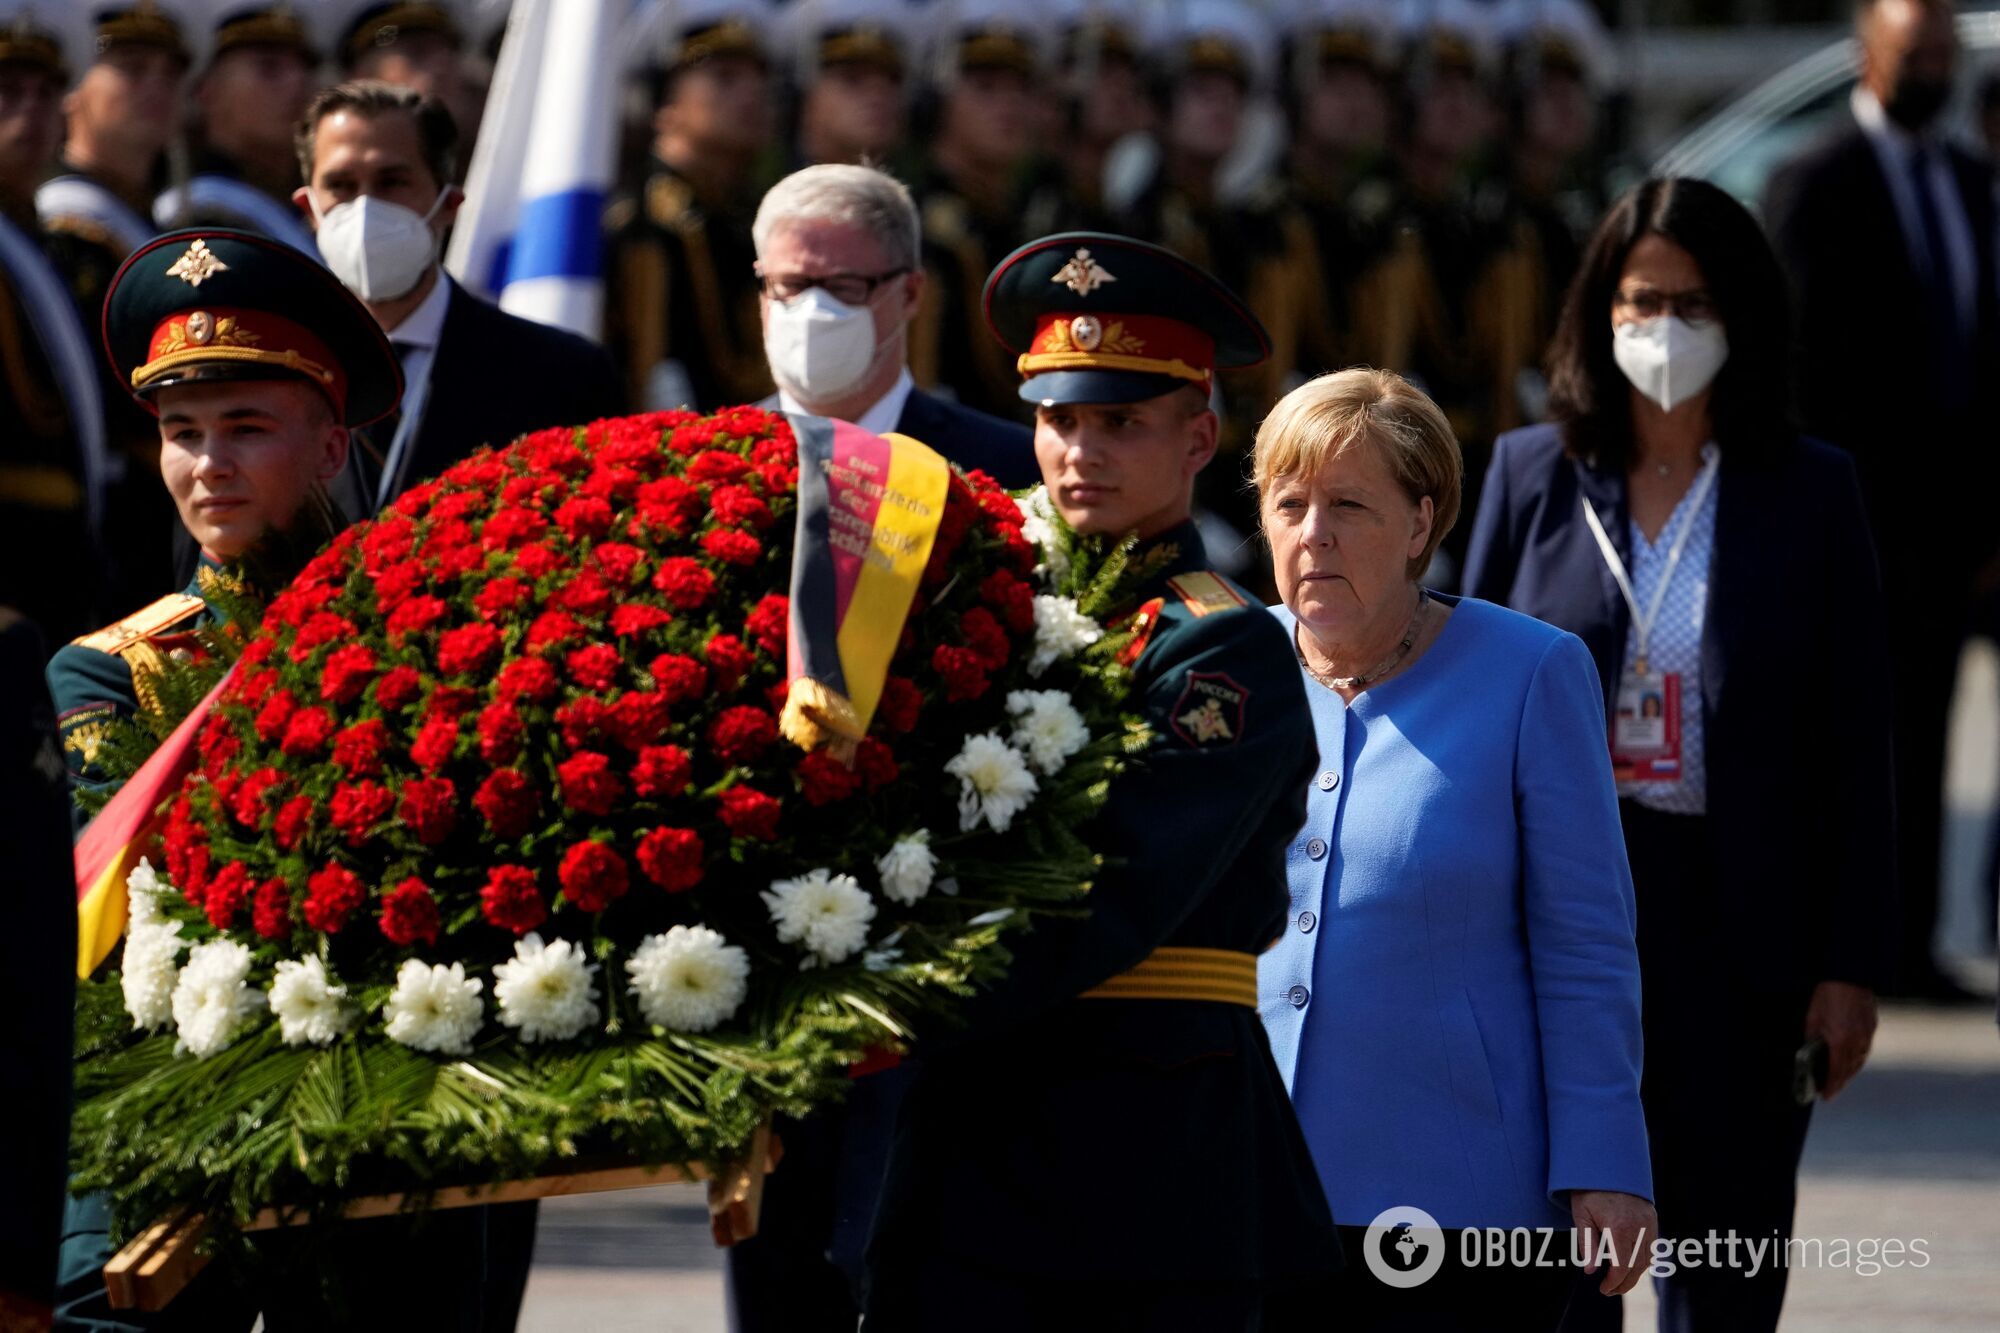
[1129, 1139]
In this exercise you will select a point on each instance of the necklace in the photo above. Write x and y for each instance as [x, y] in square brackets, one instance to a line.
[1395, 659]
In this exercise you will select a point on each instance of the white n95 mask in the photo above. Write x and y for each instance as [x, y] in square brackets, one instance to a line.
[819, 348]
[377, 249]
[1668, 359]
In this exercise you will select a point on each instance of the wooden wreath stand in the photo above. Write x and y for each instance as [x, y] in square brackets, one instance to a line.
[161, 1260]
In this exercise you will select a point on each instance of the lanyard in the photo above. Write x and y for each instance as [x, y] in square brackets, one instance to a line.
[1643, 622]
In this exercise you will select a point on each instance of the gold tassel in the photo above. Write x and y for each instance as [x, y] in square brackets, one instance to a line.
[816, 716]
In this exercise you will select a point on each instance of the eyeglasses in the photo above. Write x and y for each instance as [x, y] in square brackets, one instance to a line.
[846, 288]
[1695, 307]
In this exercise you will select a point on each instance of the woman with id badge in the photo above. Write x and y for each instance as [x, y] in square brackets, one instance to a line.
[1720, 569]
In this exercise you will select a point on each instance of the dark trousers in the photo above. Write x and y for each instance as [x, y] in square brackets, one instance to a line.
[802, 1271]
[940, 1291]
[1456, 1298]
[1726, 1135]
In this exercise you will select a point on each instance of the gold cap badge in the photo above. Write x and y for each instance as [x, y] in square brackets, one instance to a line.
[1082, 274]
[198, 265]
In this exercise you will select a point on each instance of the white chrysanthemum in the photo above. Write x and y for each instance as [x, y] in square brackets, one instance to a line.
[1038, 525]
[908, 867]
[1047, 726]
[434, 1007]
[829, 913]
[1061, 630]
[994, 783]
[143, 889]
[689, 979]
[149, 971]
[211, 999]
[548, 991]
[310, 1009]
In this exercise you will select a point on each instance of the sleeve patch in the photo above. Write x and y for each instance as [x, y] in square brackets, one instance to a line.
[1205, 593]
[1210, 711]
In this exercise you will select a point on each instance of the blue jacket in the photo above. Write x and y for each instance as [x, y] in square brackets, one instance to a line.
[1454, 1002]
[1795, 668]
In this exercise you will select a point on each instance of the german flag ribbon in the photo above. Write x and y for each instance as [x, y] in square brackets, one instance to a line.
[869, 509]
[113, 842]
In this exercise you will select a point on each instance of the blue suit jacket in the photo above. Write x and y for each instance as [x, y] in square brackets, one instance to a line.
[1794, 683]
[1454, 1001]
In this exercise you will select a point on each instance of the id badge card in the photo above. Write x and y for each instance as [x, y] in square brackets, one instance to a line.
[1646, 730]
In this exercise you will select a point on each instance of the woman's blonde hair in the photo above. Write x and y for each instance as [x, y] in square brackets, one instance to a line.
[1325, 417]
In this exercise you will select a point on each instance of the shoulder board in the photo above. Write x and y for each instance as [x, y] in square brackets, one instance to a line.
[143, 624]
[669, 200]
[91, 233]
[1204, 593]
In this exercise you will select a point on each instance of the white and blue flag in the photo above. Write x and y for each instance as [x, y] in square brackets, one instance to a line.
[531, 233]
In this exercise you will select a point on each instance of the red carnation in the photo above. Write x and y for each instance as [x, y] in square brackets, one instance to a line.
[398, 688]
[593, 876]
[454, 700]
[552, 629]
[731, 546]
[251, 687]
[739, 506]
[678, 678]
[538, 561]
[467, 649]
[409, 913]
[356, 808]
[307, 732]
[585, 516]
[984, 636]
[508, 802]
[587, 594]
[637, 720]
[511, 527]
[275, 716]
[588, 784]
[511, 899]
[415, 616]
[219, 747]
[430, 809]
[358, 749]
[750, 814]
[322, 628]
[613, 483]
[684, 581]
[962, 670]
[712, 465]
[294, 818]
[1012, 598]
[347, 673]
[436, 739]
[271, 910]
[637, 618]
[769, 622]
[618, 561]
[226, 894]
[671, 858]
[662, 771]
[900, 703]
[332, 894]
[595, 666]
[741, 735]
[528, 678]
[729, 659]
[581, 720]
[500, 733]
[248, 807]
[876, 764]
[397, 584]
[502, 597]
[824, 779]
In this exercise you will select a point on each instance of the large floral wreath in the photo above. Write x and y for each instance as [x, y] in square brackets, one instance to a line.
[495, 858]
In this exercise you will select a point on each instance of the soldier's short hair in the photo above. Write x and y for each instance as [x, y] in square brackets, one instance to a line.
[1325, 417]
[857, 196]
[437, 132]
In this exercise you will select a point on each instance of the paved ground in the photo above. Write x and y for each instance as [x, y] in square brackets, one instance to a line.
[1911, 1151]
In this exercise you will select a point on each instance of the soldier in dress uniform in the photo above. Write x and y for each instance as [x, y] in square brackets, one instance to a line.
[124, 111]
[1339, 70]
[682, 321]
[1101, 100]
[55, 468]
[262, 71]
[418, 44]
[986, 65]
[1107, 1142]
[850, 63]
[1214, 59]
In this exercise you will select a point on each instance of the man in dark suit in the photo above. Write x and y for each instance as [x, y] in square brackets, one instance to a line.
[1887, 233]
[378, 164]
[838, 258]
